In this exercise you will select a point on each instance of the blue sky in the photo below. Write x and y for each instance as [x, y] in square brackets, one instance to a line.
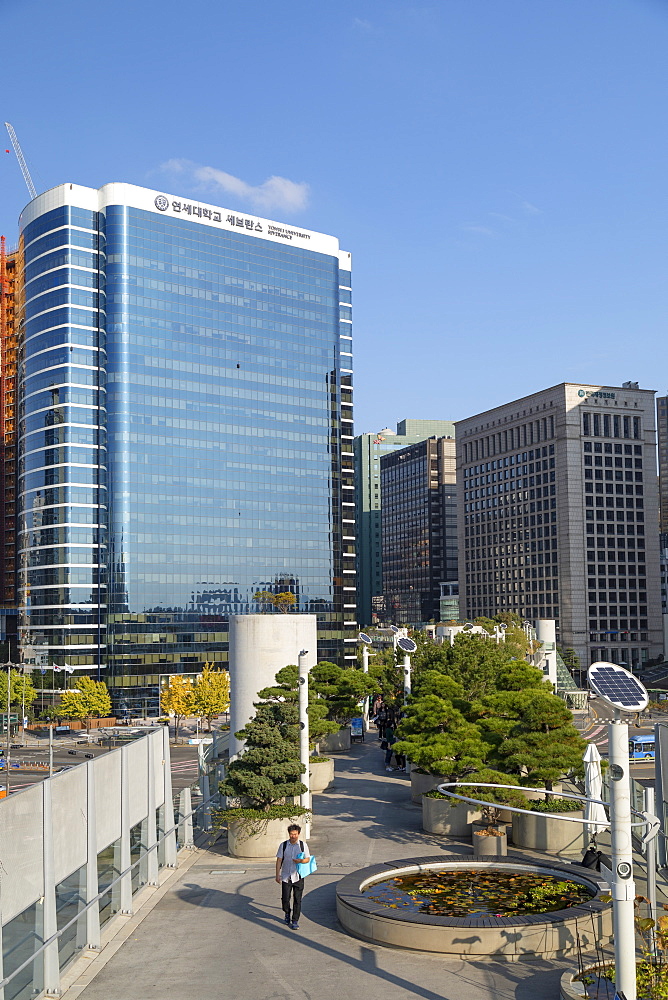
[497, 167]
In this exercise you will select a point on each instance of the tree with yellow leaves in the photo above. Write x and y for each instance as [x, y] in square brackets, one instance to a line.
[178, 699]
[285, 601]
[211, 694]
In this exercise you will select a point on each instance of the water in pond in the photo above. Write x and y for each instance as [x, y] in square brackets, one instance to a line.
[476, 893]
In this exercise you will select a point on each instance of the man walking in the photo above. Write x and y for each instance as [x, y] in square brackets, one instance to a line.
[287, 875]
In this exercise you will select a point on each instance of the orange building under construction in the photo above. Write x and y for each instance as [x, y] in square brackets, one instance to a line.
[9, 323]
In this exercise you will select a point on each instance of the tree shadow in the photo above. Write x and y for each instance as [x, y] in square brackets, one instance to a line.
[320, 908]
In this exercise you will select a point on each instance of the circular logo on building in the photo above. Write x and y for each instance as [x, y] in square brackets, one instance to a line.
[581, 392]
[161, 203]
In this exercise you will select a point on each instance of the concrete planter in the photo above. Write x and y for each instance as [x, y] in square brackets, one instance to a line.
[335, 742]
[248, 839]
[321, 774]
[538, 832]
[438, 816]
[421, 783]
[489, 847]
[535, 796]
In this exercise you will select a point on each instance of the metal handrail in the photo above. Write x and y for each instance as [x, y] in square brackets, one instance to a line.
[54, 937]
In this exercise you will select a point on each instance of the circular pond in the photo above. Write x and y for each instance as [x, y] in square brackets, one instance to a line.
[456, 893]
[509, 909]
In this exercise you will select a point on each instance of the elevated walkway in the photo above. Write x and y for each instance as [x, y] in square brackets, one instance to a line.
[216, 929]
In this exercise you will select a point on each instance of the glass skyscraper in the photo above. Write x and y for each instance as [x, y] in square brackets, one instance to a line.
[185, 435]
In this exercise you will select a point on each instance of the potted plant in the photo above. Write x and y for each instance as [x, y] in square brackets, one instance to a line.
[264, 782]
[489, 836]
[539, 832]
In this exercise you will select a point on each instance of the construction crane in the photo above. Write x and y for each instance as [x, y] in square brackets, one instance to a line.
[22, 163]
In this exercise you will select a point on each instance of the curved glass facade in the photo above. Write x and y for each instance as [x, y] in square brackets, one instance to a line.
[212, 384]
[62, 506]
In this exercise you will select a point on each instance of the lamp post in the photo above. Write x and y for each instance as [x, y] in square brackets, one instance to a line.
[408, 646]
[304, 728]
[366, 641]
[9, 709]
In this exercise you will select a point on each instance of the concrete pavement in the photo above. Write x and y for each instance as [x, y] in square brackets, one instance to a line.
[218, 929]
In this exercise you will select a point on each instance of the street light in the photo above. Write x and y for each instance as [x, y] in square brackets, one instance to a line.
[408, 646]
[366, 641]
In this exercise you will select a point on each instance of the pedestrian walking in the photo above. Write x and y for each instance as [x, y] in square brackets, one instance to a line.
[381, 721]
[292, 883]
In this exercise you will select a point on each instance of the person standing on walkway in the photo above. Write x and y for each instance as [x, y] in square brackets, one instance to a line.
[287, 876]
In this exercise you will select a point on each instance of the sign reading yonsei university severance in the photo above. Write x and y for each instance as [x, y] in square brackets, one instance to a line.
[251, 223]
[118, 193]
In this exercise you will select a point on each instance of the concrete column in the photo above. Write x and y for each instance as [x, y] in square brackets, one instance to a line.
[122, 891]
[88, 927]
[167, 850]
[46, 919]
[260, 645]
[185, 820]
[546, 634]
[149, 866]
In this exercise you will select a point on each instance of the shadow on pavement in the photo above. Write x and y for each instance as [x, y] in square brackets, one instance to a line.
[522, 981]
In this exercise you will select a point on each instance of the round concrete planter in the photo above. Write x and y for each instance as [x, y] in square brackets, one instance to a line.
[534, 796]
[421, 783]
[335, 742]
[571, 988]
[488, 847]
[538, 832]
[244, 843]
[321, 774]
[547, 935]
[438, 816]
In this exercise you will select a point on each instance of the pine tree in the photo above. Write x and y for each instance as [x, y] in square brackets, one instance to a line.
[533, 735]
[269, 770]
[343, 688]
[286, 688]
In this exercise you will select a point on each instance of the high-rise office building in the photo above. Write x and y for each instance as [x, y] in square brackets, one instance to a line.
[369, 449]
[419, 529]
[9, 311]
[558, 517]
[662, 443]
[186, 431]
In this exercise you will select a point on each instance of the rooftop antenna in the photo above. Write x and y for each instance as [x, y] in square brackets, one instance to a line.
[21, 158]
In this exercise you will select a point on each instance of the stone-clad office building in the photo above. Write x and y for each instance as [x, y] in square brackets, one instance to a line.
[557, 517]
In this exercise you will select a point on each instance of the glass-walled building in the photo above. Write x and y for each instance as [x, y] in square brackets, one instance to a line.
[185, 432]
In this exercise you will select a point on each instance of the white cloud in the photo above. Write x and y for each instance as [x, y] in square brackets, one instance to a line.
[531, 209]
[275, 193]
[478, 230]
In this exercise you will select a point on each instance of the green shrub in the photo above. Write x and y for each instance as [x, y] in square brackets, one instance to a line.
[554, 805]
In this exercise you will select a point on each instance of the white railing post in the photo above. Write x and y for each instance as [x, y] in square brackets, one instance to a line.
[2, 973]
[46, 916]
[185, 819]
[88, 928]
[122, 859]
[149, 838]
[168, 845]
